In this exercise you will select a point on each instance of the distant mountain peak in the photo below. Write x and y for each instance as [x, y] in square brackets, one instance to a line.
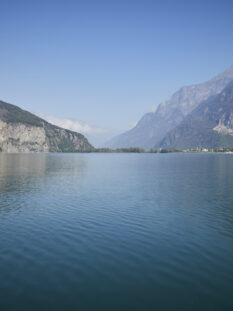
[155, 125]
[209, 125]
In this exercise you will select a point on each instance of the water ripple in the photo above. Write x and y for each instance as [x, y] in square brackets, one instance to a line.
[116, 232]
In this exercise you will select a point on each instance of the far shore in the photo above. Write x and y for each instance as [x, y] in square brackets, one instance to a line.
[162, 150]
[139, 150]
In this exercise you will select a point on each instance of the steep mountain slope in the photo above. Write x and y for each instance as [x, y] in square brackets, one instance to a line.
[154, 126]
[21, 131]
[209, 125]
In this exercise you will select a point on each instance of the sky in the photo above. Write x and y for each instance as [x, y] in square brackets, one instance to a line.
[97, 66]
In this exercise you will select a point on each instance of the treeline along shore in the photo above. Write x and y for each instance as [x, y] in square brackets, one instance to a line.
[162, 150]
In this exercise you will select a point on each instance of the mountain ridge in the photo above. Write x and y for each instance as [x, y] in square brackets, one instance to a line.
[22, 131]
[210, 125]
[153, 126]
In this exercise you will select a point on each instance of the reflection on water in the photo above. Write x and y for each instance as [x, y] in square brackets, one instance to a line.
[116, 232]
[38, 164]
[18, 172]
[28, 172]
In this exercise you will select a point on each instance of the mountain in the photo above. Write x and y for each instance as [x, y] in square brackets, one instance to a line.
[22, 131]
[155, 125]
[209, 125]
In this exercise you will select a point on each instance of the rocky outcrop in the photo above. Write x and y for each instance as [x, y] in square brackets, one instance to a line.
[155, 125]
[209, 125]
[21, 131]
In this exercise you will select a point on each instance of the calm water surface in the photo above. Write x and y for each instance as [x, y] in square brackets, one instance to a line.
[116, 232]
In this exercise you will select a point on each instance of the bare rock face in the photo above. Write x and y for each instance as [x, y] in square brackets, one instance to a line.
[22, 138]
[209, 125]
[225, 125]
[155, 125]
[21, 131]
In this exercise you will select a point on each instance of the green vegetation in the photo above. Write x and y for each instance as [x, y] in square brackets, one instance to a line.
[168, 150]
[14, 114]
[120, 150]
[134, 150]
[66, 145]
[130, 150]
[57, 139]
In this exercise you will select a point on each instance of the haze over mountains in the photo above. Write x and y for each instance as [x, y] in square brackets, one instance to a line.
[209, 125]
[154, 126]
[196, 116]
[22, 131]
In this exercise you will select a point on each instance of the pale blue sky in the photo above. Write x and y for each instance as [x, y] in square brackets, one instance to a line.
[106, 63]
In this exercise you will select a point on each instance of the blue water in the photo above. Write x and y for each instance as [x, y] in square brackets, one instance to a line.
[116, 232]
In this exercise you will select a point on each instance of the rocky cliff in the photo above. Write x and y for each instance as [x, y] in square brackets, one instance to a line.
[209, 125]
[21, 131]
[154, 126]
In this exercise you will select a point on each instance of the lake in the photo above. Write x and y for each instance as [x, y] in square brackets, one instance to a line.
[116, 232]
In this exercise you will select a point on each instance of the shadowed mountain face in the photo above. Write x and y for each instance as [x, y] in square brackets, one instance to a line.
[209, 125]
[21, 131]
[155, 125]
